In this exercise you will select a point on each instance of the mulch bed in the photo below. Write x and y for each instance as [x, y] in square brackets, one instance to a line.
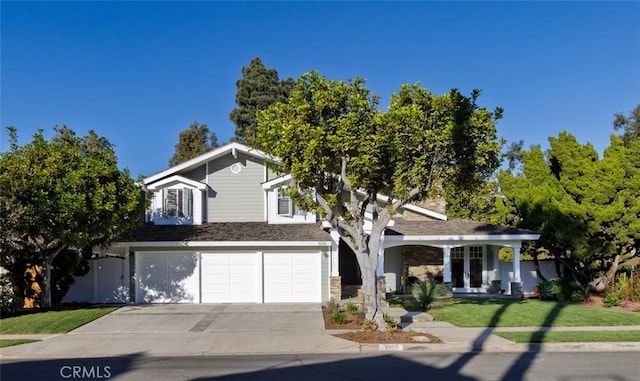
[376, 337]
[369, 336]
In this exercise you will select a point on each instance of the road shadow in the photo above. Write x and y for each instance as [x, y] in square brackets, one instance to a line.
[93, 368]
[385, 367]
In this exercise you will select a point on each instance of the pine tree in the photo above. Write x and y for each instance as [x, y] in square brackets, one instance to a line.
[258, 88]
[194, 141]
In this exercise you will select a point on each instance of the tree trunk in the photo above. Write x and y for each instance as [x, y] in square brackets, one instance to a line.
[537, 266]
[46, 293]
[46, 279]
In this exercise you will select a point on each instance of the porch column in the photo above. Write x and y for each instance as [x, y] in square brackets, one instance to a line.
[335, 256]
[516, 262]
[446, 251]
[335, 281]
[516, 284]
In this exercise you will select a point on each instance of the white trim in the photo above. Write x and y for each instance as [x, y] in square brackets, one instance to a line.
[414, 208]
[278, 180]
[179, 179]
[222, 243]
[199, 160]
[488, 238]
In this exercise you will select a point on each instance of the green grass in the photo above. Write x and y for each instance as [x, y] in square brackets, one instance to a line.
[528, 313]
[52, 321]
[571, 337]
[11, 342]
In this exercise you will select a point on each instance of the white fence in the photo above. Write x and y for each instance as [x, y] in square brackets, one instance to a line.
[527, 273]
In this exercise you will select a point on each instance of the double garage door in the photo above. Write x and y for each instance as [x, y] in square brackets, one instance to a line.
[228, 277]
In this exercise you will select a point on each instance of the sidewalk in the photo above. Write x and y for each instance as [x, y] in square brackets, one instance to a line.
[246, 340]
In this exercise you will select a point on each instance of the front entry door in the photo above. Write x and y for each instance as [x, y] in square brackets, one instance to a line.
[466, 267]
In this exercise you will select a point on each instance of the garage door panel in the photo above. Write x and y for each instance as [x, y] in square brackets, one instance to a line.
[291, 277]
[230, 277]
[167, 277]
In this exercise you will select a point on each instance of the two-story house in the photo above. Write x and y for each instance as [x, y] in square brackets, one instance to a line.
[219, 230]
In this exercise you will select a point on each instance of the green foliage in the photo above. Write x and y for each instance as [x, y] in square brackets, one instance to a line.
[338, 317]
[586, 207]
[560, 290]
[332, 307]
[631, 291]
[11, 342]
[194, 141]
[258, 89]
[571, 336]
[352, 308]
[430, 294]
[392, 326]
[612, 299]
[61, 196]
[368, 325]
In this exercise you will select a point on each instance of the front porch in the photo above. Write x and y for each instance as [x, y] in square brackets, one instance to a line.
[464, 256]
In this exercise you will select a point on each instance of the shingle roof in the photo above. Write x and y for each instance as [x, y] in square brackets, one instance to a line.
[451, 227]
[229, 231]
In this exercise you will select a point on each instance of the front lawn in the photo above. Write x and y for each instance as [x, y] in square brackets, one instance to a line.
[52, 321]
[528, 313]
[11, 342]
[571, 337]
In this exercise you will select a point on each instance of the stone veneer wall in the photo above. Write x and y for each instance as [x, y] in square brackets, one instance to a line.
[422, 262]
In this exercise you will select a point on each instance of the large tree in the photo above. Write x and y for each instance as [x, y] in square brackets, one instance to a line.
[60, 196]
[258, 89]
[342, 152]
[587, 208]
[194, 141]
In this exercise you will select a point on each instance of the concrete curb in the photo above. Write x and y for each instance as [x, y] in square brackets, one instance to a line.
[502, 348]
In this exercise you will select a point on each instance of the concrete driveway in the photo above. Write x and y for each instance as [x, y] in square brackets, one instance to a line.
[193, 329]
[192, 318]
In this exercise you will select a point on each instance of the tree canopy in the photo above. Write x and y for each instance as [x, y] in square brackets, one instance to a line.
[342, 151]
[194, 141]
[586, 207]
[60, 196]
[258, 88]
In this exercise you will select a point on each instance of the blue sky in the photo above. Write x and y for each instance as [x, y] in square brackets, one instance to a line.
[140, 72]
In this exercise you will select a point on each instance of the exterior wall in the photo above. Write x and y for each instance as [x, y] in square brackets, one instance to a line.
[393, 269]
[325, 291]
[297, 218]
[527, 273]
[235, 197]
[199, 174]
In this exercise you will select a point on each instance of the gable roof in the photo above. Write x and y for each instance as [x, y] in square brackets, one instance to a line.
[457, 228]
[177, 179]
[232, 148]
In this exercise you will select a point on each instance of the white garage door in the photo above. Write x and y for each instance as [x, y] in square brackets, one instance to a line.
[167, 277]
[292, 277]
[230, 278]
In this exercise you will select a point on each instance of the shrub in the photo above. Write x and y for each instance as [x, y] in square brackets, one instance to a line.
[546, 290]
[352, 308]
[577, 296]
[369, 325]
[339, 317]
[429, 294]
[332, 307]
[612, 300]
[631, 289]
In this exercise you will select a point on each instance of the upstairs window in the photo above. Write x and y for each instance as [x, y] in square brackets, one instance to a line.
[285, 207]
[178, 203]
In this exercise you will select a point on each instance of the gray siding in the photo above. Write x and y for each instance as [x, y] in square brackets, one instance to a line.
[198, 174]
[236, 197]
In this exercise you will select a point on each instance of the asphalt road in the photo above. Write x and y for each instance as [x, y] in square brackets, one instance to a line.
[620, 366]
